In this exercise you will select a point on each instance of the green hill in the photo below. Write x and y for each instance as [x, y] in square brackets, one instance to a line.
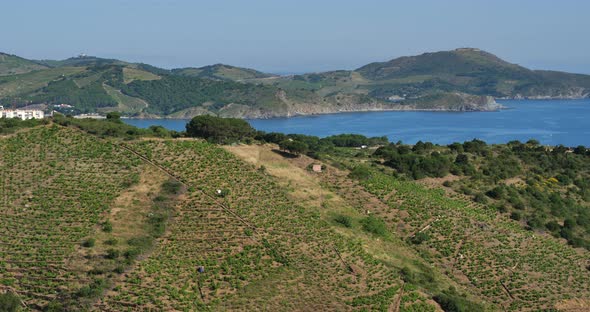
[82, 60]
[12, 64]
[132, 220]
[109, 225]
[471, 71]
[115, 87]
[458, 80]
[221, 72]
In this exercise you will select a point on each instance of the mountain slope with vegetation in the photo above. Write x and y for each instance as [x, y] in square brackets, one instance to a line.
[221, 72]
[466, 70]
[106, 224]
[476, 72]
[458, 80]
[12, 64]
[115, 218]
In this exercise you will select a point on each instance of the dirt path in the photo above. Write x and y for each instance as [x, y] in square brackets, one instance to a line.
[395, 306]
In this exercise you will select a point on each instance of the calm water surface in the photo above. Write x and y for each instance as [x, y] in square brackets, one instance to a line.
[549, 121]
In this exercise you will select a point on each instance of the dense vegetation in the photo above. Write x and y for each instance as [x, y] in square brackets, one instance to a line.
[86, 98]
[174, 93]
[545, 187]
[113, 127]
[219, 130]
[11, 125]
[314, 146]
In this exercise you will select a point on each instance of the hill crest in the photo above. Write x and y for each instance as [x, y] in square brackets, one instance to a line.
[93, 84]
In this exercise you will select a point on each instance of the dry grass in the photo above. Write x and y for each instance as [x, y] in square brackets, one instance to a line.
[130, 74]
[128, 217]
[128, 213]
[313, 191]
[573, 305]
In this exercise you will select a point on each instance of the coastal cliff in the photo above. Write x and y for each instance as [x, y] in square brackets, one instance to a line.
[451, 102]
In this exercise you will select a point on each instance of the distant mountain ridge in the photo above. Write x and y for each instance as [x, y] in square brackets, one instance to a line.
[12, 64]
[478, 72]
[221, 72]
[464, 79]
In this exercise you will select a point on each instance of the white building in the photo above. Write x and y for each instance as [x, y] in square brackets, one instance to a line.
[23, 114]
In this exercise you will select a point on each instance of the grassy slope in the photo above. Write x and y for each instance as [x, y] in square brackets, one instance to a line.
[127, 104]
[82, 61]
[222, 72]
[12, 65]
[130, 74]
[271, 242]
[29, 82]
[131, 89]
[488, 255]
[48, 209]
[318, 193]
[259, 248]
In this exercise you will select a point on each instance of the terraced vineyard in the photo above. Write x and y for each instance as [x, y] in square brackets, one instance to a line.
[55, 186]
[481, 249]
[257, 247]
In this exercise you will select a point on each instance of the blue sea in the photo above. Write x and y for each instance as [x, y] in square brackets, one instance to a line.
[551, 122]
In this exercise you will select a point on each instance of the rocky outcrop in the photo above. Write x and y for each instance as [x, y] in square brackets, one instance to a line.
[458, 102]
[476, 103]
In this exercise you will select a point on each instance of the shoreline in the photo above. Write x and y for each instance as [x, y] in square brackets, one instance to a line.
[434, 110]
[337, 112]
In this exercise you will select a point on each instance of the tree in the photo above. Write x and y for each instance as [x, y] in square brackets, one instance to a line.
[462, 159]
[114, 116]
[219, 130]
[293, 146]
[580, 150]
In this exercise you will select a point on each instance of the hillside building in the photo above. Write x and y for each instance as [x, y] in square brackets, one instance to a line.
[23, 114]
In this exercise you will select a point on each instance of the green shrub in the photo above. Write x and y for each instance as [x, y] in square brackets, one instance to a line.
[343, 220]
[111, 241]
[143, 243]
[360, 172]
[95, 289]
[419, 238]
[480, 198]
[9, 302]
[107, 226]
[374, 225]
[171, 187]
[112, 254]
[54, 306]
[516, 216]
[89, 243]
[450, 301]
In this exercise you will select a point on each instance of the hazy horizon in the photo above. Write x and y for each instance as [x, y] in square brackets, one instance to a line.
[298, 37]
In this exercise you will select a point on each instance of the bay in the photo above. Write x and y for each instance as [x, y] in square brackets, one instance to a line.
[551, 122]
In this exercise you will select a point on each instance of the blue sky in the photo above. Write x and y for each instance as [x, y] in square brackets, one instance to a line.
[297, 36]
